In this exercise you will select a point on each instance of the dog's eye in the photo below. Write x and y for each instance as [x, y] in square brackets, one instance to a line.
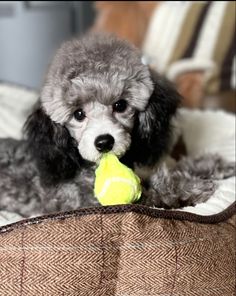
[120, 106]
[79, 115]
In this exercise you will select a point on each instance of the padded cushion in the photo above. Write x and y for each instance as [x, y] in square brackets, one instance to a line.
[122, 250]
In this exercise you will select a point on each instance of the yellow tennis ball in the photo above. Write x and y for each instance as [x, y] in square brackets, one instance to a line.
[115, 183]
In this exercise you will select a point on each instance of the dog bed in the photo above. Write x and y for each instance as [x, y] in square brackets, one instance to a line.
[131, 250]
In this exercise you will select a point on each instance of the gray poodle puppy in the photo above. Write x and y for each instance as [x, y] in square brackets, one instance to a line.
[98, 96]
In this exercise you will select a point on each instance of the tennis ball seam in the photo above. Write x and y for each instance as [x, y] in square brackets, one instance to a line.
[115, 179]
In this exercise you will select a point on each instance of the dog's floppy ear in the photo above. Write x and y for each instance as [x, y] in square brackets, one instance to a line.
[152, 129]
[52, 147]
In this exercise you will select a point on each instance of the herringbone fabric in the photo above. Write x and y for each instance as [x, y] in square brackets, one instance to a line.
[121, 254]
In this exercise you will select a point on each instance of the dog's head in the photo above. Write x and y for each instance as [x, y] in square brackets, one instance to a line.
[99, 96]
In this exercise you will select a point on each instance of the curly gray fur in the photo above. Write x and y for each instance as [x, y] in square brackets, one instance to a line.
[189, 182]
[99, 68]
[22, 192]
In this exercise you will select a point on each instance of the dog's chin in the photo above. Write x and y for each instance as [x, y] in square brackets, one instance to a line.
[92, 155]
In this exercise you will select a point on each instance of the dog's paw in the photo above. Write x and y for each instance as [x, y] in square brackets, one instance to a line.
[176, 189]
[211, 167]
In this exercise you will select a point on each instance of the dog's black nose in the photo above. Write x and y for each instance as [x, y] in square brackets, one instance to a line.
[104, 143]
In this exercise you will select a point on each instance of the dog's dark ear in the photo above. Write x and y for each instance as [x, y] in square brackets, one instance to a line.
[52, 147]
[152, 129]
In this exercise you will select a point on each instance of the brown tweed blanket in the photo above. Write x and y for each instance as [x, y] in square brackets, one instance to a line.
[120, 251]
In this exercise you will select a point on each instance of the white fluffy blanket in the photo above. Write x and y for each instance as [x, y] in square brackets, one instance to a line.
[202, 131]
[210, 132]
[15, 105]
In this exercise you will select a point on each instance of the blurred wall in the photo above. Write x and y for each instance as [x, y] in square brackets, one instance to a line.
[31, 31]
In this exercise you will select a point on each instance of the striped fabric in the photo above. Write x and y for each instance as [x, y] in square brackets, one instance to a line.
[119, 251]
[187, 36]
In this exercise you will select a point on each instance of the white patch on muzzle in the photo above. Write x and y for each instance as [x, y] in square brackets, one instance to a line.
[98, 127]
